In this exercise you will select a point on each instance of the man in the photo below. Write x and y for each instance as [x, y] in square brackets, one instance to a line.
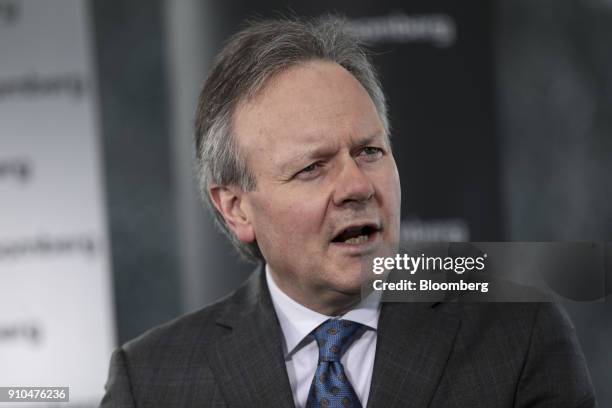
[296, 164]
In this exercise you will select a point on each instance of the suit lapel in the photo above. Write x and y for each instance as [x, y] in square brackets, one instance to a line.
[247, 360]
[414, 342]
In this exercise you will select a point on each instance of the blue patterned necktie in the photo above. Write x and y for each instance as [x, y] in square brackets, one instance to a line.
[330, 387]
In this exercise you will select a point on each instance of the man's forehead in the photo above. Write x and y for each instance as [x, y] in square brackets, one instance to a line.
[306, 103]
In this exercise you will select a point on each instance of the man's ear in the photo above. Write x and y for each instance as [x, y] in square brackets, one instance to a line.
[228, 201]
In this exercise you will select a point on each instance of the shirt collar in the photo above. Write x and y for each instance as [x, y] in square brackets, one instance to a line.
[297, 321]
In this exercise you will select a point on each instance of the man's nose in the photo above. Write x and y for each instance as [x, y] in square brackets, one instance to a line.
[352, 185]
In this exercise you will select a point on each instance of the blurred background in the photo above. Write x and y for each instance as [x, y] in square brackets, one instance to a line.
[502, 131]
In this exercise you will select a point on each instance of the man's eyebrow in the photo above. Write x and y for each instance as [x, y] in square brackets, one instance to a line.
[308, 154]
[366, 140]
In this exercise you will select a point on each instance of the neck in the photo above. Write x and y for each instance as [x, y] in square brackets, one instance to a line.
[324, 301]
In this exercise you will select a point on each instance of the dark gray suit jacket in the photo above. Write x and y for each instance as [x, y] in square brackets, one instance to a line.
[428, 355]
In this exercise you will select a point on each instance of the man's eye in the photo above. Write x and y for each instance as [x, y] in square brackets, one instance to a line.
[309, 169]
[371, 152]
[308, 172]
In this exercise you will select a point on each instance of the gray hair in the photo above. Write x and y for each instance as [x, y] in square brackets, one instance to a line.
[249, 59]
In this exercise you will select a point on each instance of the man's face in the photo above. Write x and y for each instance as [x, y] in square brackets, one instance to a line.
[328, 189]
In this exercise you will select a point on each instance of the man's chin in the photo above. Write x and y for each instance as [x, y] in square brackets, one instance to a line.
[346, 265]
[348, 280]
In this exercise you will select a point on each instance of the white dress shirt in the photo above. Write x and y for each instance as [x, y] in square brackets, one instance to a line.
[301, 350]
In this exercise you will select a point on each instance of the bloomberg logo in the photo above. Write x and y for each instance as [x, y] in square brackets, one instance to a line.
[439, 30]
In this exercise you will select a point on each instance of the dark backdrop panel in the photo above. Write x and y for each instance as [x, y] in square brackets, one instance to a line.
[554, 70]
[130, 58]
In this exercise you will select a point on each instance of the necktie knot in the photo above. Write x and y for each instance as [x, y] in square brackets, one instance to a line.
[333, 337]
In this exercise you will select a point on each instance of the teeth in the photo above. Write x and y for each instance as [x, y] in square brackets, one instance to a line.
[357, 240]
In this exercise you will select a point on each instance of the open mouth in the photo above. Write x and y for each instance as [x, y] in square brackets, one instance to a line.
[356, 235]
